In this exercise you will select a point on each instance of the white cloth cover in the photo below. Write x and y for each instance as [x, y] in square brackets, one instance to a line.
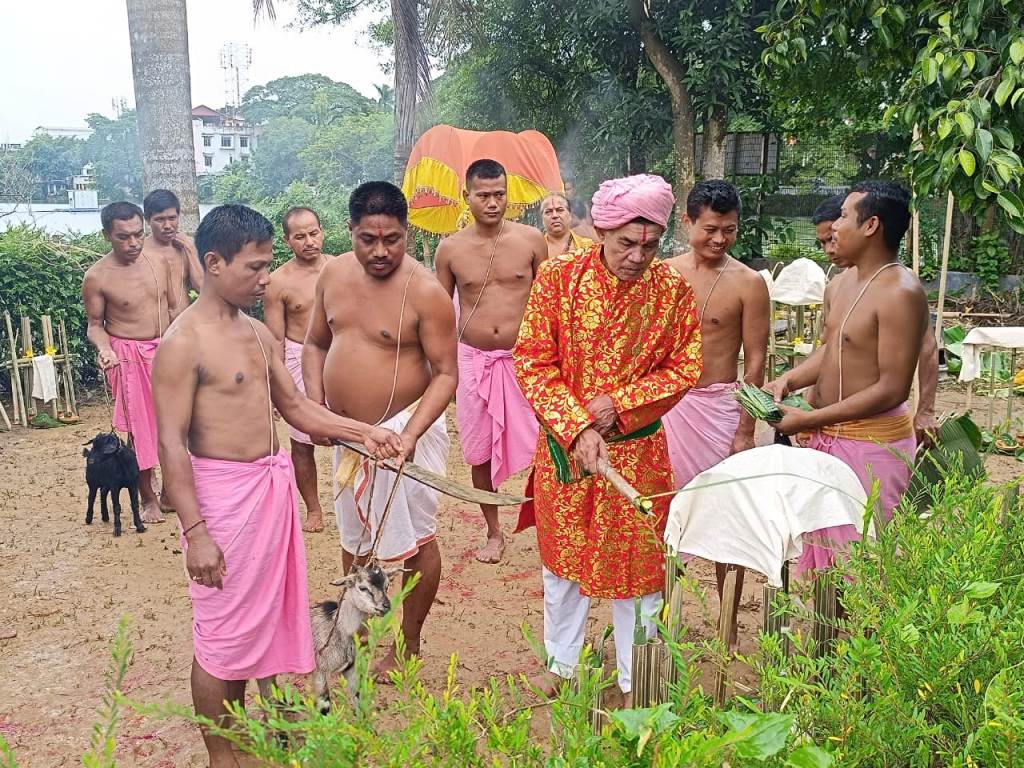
[1007, 338]
[44, 378]
[800, 283]
[768, 280]
[752, 508]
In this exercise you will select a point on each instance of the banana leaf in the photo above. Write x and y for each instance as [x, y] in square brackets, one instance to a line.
[957, 444]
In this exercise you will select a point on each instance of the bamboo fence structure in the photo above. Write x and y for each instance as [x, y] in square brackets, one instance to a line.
[19, 368]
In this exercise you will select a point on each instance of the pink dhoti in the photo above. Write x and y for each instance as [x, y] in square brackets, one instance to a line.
[496, 424]
[293, 362]
[131, 383]
[700, 429]
[258, 625]
[885, 458]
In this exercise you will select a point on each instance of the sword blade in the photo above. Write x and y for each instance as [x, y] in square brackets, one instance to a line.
[439, 482]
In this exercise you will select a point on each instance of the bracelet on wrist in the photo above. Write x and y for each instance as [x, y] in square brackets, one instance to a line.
[198, 523]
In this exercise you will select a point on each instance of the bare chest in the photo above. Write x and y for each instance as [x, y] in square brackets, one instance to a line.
[299, 293]
[509, 269]
[234, 367]
[371, 318]
[853, 323]
[128, 290]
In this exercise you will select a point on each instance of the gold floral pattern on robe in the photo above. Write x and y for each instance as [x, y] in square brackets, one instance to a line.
[587, 333]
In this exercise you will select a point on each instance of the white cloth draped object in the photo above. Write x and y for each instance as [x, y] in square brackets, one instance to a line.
[978, 338]
[800, 283]
[752, 508]
[44, 378]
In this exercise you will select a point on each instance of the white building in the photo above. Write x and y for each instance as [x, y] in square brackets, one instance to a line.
[219, 139]
[83, 195]
[58, 132]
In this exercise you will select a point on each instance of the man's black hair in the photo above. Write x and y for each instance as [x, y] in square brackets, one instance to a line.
[890, 202]
[121, 211]
[484, 169]
[160, 200]
[295, 211]
[829, 210]
[378, 198]
[718, 195]
[227, 229]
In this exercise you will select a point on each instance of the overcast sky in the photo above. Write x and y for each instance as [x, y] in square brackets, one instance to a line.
[62, 59]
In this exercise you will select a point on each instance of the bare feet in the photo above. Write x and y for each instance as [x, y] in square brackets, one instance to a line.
[492, 551]
[151, 512]
[547, 683]
[314, 522]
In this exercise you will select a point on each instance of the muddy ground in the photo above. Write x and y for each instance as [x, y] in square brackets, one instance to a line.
[66, 585]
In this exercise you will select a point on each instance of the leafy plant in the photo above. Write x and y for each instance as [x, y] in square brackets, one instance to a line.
[990, 259]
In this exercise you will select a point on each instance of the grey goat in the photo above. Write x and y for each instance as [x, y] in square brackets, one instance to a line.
[364, 594]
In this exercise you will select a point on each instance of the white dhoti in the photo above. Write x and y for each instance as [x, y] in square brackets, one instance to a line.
[565, 621]
[361, 492]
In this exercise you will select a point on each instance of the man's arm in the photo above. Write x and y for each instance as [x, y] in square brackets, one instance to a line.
[95, 312]
[437, 337]
[193, 268]
[641, 402]
[175, 380]
[756, 322]
[443, 267]
[906, 309]
[317, 343]
[537, 363]
[539, 246]
[273, 310]
[928, 381]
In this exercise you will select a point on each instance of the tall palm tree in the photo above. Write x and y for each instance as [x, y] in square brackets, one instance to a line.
[163, 98]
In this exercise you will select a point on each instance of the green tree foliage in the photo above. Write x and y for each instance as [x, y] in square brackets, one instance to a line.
[113, 148]
[52, 158]
[313, 98]
[277, 160]
[351, 150]
[954, 70]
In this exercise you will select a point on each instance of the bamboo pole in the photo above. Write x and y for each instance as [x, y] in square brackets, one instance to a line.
[915, 220]
[26, 374]
[20, 413]
[945, 268]
[7, 421]
[725, 633]
[47, 327]
[824, 630]
[69, 370]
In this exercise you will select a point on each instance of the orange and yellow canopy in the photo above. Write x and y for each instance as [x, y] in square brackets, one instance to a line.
[436, 173]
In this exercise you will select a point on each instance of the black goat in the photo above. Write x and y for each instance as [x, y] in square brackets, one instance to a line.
[110, 466]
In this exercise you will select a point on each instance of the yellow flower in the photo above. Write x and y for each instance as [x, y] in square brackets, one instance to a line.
[51, 350]
[977, 687]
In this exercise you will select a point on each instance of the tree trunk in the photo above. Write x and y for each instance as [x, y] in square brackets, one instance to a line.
[410, 61]
[158, 31]
[715, 127]
[672, 73]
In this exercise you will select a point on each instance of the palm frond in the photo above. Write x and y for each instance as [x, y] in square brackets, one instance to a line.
[260, 7]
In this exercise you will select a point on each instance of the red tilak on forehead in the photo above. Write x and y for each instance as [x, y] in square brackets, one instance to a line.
[380, 233]
[643, 235]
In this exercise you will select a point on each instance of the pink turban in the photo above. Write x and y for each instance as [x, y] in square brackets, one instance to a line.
[619, 201]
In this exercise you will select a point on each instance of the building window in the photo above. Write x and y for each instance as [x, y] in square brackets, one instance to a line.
[208, 161]
[243, 142]
[225, 142]
[207, 141]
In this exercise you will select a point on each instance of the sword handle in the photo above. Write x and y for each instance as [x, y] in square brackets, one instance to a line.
[620, 484]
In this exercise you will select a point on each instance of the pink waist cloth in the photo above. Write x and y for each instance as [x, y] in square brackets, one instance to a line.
[293, 362]
[496, 423]
[132, 386]
[888, 463]
[258, 625]
[700, 430]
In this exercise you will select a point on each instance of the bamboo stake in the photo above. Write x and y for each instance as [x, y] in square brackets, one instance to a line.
[915, 220]
[725, 633]
[7, 421]
[20, 413]
[945, 268]
[68, 368]
[824, 631]
[48, 344]
[26, 374]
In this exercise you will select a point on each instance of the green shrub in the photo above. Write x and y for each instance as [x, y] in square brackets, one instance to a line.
[40, 274]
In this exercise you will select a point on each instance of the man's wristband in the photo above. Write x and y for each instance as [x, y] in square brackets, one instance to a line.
[198, 523]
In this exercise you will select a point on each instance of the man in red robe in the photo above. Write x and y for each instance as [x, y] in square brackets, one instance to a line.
[609, 343]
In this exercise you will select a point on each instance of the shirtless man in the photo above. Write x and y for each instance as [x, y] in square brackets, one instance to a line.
[162, 211]
[708, 425]
[492, 263]
[863, 374]
[217, 378]
[286, 310]
[554, 212]
[381, 348]
[928, 361]
[128, 299]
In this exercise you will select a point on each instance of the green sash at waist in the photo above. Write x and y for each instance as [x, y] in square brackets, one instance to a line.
[567, 469]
